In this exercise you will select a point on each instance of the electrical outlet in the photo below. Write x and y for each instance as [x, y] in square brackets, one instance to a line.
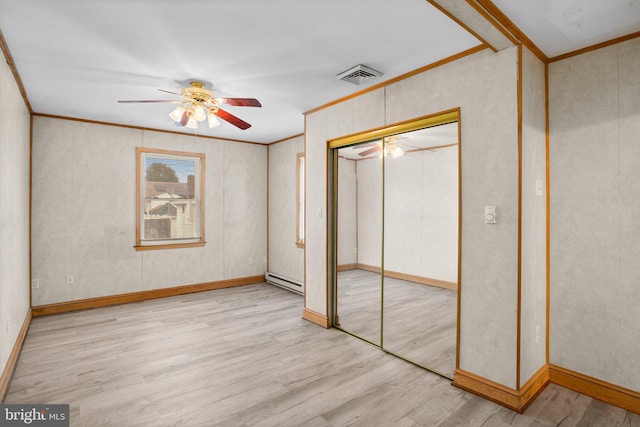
[69, 279]
[35, 284]
[538, 333]
[250, 260]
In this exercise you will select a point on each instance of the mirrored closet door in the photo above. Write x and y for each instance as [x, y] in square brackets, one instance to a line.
[359, 240]
[396, 243]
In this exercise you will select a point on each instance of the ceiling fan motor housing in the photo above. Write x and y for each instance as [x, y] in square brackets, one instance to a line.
[198, 93]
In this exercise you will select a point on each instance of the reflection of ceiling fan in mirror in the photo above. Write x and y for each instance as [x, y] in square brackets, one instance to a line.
[392, 147]
[198, 104]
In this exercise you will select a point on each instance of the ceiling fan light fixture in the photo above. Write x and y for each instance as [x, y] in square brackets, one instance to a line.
[177, 113]
[192, 123]
[396, 152]
[213, 120]
[199, 113]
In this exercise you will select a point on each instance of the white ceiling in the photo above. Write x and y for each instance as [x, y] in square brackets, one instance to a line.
[76, 58]
[561, 26]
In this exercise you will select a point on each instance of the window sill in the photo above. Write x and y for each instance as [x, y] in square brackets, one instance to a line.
[168, 246]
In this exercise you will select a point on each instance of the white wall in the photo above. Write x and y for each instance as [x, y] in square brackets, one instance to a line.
[595, 210]
[484, 86]
[421, 214]
[285, 257]
[369, 211]
[14, 212]
[534, 213]
[347, 212]
[84, 218]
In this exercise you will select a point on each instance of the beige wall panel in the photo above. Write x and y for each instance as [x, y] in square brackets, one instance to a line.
[407, 99]
[83, 210]
[594, 118]
[245, 209]
[316, 212]
[630, 210]
[484, 86]
[533, 279]
[369, 110]
[347, 212]
[342, 119]
[285, 258]
[14, 211]
[52, 253]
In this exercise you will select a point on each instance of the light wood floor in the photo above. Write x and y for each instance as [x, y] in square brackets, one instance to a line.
[419, 320]
[244, 357]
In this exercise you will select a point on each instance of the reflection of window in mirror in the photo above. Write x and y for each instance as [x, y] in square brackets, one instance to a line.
[300, 199]
[170, 186]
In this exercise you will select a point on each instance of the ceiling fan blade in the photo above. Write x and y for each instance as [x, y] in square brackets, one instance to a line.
[366, 144]
[184, 119]
[149, 100]
[239, 102]
[236, 121]
[370, 151]
[172, 93]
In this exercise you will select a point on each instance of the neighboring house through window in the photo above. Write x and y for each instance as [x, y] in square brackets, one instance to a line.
[170, 206]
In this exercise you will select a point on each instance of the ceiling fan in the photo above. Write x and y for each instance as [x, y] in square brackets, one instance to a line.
[198, 104]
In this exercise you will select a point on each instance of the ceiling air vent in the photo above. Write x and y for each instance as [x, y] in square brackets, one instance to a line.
[358, 74]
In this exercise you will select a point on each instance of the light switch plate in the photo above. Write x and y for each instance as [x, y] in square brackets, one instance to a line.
[490, 216]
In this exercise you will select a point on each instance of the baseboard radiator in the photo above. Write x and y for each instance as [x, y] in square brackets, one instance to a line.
[284, 282]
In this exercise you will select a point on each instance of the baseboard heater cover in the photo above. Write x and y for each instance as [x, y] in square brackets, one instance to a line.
[284, 282]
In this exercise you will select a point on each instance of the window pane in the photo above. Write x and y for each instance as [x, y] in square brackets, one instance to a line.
[170, 206]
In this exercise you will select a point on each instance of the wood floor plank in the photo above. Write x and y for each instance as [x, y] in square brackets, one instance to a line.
[419, 320]
[244, 357]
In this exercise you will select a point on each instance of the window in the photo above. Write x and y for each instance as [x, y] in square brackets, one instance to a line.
[300, 200]
[170, 208]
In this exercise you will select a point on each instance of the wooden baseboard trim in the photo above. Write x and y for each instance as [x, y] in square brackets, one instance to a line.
[315, 317]
[64, 307]
[409, 277]
[487, 389]
[598, 389]
[12, 362]
[346, 267]
[532, 388]
[516, 400]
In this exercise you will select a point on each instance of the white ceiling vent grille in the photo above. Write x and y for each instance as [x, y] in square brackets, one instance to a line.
[358, 74]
